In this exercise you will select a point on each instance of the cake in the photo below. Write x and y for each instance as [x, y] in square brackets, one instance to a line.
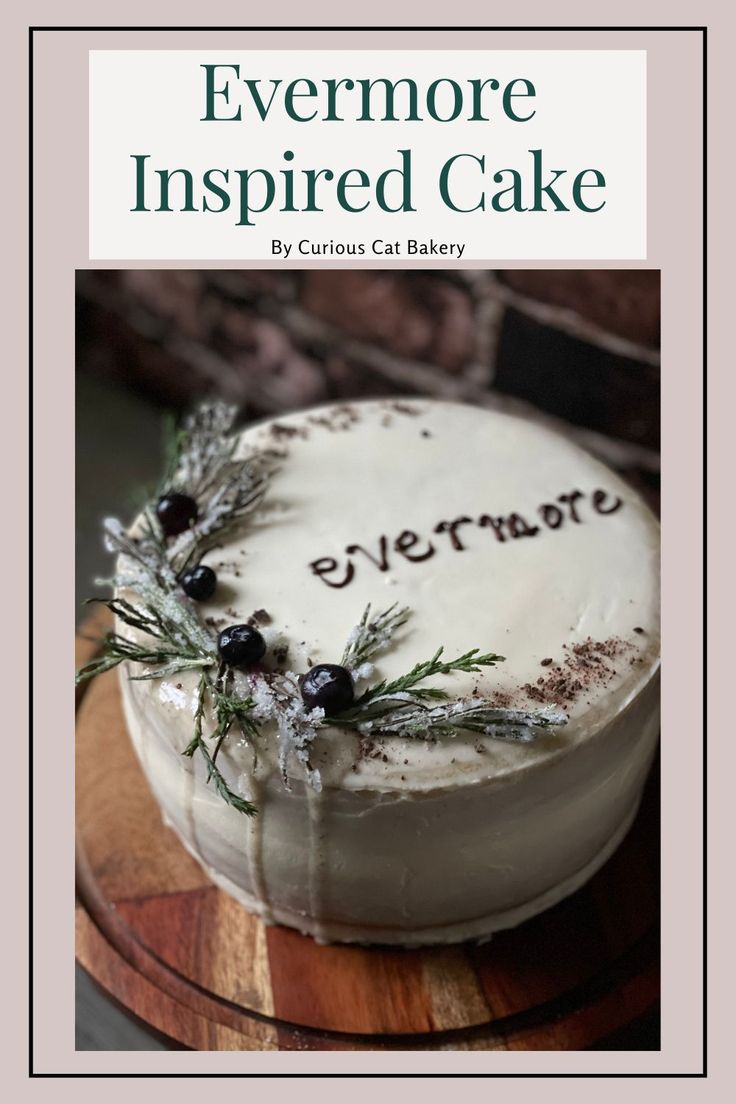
[496, 534]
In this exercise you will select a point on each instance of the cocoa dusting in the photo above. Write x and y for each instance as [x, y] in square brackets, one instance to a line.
[279, 431]
[369, 749]
[338, 419]
[586, 664]
[502, 699]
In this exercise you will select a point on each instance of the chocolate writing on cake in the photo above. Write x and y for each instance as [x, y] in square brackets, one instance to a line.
[572, 508]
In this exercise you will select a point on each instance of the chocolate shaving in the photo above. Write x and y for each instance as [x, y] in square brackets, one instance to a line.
[280, 431]
[215, 622]
[337, 420]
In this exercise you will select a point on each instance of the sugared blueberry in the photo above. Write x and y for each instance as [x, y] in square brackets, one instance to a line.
[327, 686]
[199, 583]
[241, 645]
[176, 512]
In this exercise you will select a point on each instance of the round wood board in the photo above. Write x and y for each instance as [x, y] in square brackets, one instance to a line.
[177, 952]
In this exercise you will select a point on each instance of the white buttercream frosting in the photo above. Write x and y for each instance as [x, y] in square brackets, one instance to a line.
[498, 534]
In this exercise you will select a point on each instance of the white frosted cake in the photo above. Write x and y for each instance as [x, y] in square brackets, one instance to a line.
[496, 534]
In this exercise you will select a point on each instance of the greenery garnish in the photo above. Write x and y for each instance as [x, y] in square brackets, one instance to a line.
[401, 708]
[226, 715]
[168, 637]
[202, 463]
[371, 636]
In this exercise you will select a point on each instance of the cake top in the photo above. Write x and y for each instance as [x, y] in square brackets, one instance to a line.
[496, 533]
[495, 556]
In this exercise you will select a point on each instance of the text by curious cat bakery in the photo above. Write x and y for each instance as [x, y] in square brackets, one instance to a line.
[378, 247]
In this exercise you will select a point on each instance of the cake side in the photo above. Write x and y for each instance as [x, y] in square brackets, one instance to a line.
[424, 866]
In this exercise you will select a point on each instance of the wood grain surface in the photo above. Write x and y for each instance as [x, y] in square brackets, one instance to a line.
[177, 952]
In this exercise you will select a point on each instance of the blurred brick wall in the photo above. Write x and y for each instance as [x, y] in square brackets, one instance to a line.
[579, 349]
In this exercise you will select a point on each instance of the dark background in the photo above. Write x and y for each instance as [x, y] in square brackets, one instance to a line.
[577, 349]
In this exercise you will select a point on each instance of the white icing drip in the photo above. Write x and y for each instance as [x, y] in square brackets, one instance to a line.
[253, 786]
[189, 786]
[318, 840]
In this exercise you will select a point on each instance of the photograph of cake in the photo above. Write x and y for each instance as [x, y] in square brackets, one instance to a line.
[370, 697]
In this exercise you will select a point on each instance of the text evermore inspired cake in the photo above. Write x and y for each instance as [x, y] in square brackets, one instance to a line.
[281, 607]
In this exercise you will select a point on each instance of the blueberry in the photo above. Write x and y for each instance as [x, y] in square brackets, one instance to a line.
[329, 687]
[241, 646]
[176, 512]
[199, 583]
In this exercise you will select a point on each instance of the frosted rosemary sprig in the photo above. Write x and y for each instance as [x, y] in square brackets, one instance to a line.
[372, 635]
[225, 719]
[202, 464]
[401, 707]
[199, 448]
[277, 698]
[471, 662]
[174, 638]
[419, 721]
[167, 635]
[165, 656]
[230, 709]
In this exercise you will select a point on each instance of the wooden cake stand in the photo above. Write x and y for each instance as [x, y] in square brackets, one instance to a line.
[182, 956]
